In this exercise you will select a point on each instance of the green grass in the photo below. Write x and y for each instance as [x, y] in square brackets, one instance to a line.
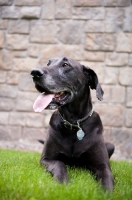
[22, 178]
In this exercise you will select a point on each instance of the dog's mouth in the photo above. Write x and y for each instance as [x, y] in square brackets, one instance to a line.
[50, 100]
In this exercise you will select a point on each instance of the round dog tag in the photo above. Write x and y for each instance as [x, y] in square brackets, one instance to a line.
[80, 134]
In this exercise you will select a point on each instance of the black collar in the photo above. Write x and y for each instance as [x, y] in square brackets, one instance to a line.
[79, 122]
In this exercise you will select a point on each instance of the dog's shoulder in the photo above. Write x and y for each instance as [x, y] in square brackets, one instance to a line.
[94, 122]
[96, 117]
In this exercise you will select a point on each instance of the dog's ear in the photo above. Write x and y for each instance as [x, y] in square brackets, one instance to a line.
[92, 79]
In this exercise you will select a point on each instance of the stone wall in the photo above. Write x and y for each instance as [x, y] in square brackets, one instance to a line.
[98, 33]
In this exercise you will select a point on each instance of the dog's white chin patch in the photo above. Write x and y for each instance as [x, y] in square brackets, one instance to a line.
[42, 102]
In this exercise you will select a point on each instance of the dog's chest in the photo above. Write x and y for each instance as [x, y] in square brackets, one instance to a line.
[72, 147]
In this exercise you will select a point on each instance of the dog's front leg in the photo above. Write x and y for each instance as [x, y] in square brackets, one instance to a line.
[56, 168]
[105, 176]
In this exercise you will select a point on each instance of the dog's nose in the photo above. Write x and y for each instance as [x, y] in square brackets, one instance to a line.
[37, 73]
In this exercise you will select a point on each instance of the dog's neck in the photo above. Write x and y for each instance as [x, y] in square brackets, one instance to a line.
[77, 109]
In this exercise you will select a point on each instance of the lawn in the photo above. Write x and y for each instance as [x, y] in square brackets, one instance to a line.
[22, 178]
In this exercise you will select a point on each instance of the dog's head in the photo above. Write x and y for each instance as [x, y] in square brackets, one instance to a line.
[61, 82]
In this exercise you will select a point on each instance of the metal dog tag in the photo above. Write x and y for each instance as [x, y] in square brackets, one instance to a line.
[80, 134]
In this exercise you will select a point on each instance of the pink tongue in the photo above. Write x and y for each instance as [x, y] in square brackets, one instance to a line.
[42, 102]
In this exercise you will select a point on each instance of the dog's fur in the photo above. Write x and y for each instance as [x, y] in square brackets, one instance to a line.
[62, 146]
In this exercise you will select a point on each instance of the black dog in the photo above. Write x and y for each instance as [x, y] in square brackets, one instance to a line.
[75, 133]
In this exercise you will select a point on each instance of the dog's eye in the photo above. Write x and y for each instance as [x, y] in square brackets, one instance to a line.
[65, 65]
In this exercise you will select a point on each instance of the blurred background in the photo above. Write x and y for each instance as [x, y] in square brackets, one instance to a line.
[97, 33]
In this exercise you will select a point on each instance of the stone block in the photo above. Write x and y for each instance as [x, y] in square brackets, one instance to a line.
[40, 33]
[81, 13]
[2, 76]
[111, 115]
[116, 59]
[30, 12]
[110, 3]
[25, 100]
[93, 26]
[32, 134]
[4, 117]
[49, 51]
[12, 77]
[129, 97]
[122, 139]
[130, 60]
[6, 2]
[26, 82]
[26, 119]
[70, 32]
[111, 75]
[34, 50]
[128, 19]
[97, 13]
[10, 145]
[94, 56]
[114, 19]
[52, 51]
[110, 26]
[72, 51]
[7, 104]
[107, 134]
[123, 3]
[125, 76]
[18, 26]
[34, 120]
[124, 42]
[120, 19]
[8, 90]
[88, 13]
[98, 67]
[10, 12]
[107, 94]
[118, 94]
[16, 41]
[98, 41]
[26, 64]
[63, 9]
[27, 2]
[10, 133]
[17, 118]
[3, 23]
[20, 54]
[6, 58]
[129, 117]
[2, 38]
[48, 9]
[87, 2]
[22, 144]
